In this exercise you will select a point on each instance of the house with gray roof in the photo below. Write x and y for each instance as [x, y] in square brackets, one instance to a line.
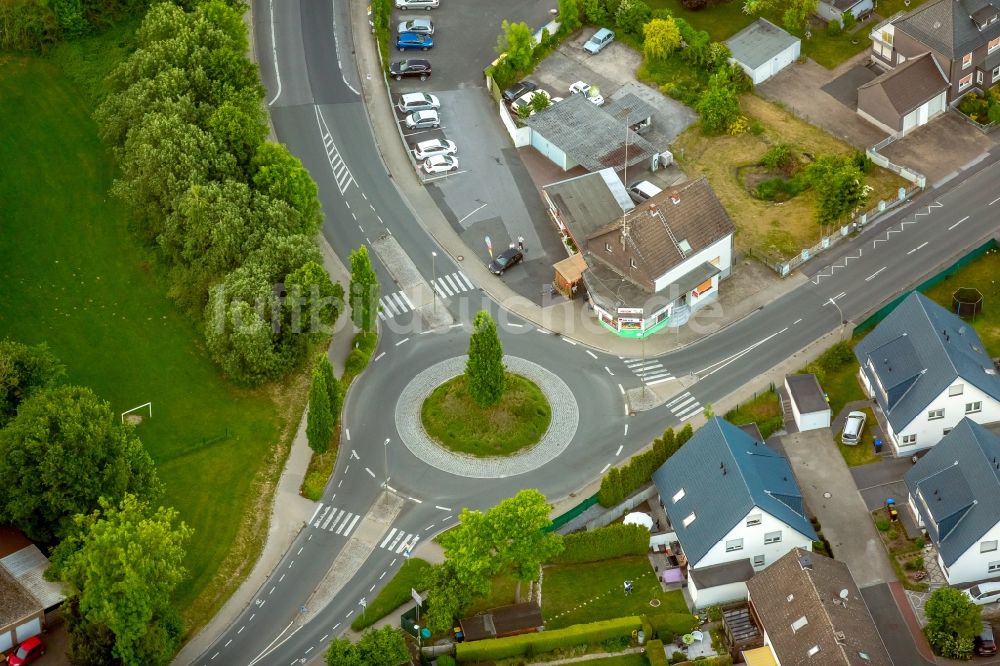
[735, 507]
[576, 132]
[834, 10]
[927, 370]
[961, 36]
[762, 49]
[954, 494]
[893, 100]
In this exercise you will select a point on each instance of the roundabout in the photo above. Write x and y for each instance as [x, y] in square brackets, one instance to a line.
[565, 416]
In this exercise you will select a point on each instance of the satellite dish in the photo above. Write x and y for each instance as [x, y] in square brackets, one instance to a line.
[844, 594]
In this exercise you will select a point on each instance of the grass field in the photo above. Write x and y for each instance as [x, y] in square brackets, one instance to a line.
[764, 410]
[775, 231]
[519, 420]
[567, 587]
[863, 453]
[75, 278]
[983, 275]
[620, 660]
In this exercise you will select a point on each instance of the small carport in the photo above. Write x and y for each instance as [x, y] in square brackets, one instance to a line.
[762, 49]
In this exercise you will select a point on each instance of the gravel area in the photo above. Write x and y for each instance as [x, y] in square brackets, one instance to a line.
[562, 428]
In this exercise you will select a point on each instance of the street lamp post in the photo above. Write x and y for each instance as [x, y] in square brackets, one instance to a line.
[420, 642]
[642, 340]
[385, 448]
[434, 278]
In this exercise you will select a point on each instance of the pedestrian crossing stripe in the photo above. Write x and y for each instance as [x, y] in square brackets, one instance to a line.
[650, 372]
[684, 406]
[397, 541]
[394, 304]
[451, 284]
[336, 520]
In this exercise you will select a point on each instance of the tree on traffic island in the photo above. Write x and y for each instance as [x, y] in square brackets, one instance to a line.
[485, 374]
[364, 290]
[319, 423]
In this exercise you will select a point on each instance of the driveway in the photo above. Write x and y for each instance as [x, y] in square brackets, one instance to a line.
[900, 635]
[942, 149]
[820, 96]
[831, 495]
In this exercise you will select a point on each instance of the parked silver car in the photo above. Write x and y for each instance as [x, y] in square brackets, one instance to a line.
[601, 38]
[423, 119]
[854, 426]
[417, 4]
[410, 102]
[421, 26]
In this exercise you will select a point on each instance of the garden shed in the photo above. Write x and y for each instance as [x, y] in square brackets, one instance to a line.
[504, 621]
[763, 49]
[809, 406]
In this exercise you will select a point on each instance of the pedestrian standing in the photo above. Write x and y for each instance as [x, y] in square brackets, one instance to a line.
[520, 243]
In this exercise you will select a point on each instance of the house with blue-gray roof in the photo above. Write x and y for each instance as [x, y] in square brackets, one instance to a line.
[954, 494]
[927, 370]
[735, 508]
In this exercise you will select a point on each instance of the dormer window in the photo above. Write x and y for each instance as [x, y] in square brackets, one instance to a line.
[967, 61]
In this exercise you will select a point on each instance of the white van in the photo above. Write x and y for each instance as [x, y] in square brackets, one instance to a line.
[984, 593]
[642, 191]
[418, 102]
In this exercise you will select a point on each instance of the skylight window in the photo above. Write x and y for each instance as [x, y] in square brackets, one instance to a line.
[799, 623]
[678, 496]
[689, 519]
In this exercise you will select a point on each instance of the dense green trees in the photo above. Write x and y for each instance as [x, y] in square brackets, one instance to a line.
[120, 566]
[484, 370]
[377, 647]
[569, 15]
[364, 290]
[508, 537]
[24, 370]
[953, 621]
[234, 215]
[62, 452]
[661, 37]
[620, 482]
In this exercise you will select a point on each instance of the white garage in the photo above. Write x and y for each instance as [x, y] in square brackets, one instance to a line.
[762, 49]
[809, 406]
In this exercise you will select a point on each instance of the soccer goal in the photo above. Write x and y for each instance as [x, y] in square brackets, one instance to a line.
[148, 405]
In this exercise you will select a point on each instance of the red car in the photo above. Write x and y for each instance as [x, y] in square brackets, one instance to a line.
[27, 652]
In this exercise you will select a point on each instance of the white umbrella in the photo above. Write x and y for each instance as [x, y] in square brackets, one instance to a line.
[639, 518]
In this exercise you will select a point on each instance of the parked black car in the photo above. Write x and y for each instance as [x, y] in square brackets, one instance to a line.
[983, 644]
[505, 260]
[517, 90]
[410, 68]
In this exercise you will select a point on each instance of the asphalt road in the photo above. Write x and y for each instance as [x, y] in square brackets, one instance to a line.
[316, 112]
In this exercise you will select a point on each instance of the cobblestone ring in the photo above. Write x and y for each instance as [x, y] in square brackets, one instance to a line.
[562, 427]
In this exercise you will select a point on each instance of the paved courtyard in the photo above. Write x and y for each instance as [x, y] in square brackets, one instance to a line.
[832, 497]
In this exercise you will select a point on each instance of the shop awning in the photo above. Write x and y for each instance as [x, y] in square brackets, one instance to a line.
[761, 656]
[692, 279]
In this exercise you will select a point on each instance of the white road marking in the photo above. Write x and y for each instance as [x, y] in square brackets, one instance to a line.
[620, 447]
[318, 507]
[389, 536]
[402, 341]
[565, 339]
[592, 354]
[872, 276]
[416, 500]
[994, 201]
[609, 371]
[274, 53]
[516, 325]
[958, 223]
[348, 431]
[472, 213]
[542, 330]
[380, 356]
[443, 508]
[605, 468]
[370, 472]
[621, 389]
[796, 321]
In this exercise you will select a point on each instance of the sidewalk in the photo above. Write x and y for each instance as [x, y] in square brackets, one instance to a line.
[567, 318]
[290, 511]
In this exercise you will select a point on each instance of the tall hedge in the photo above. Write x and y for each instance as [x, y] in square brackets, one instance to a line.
[620, 482]
[546, 641]
[603, 543]
[655, 654]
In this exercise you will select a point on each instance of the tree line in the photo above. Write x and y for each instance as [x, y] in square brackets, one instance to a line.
[79, 482]
[233, 215]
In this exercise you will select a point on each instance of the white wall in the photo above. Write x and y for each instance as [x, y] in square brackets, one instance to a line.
[768, 69]
[809, 420]
[521, 136]
[722, 248]
[930, 433]
[974, 565]
[713, 596]
[753, 542]
[551, 151]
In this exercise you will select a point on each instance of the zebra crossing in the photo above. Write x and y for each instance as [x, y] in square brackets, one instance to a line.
[685, 406]
[649, 371]
[337, 521]
[341, 173]
[398, 541]
[393, 304]
[454, 283]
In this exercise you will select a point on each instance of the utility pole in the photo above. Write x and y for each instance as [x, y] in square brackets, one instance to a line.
[642, 340]
[434, 278]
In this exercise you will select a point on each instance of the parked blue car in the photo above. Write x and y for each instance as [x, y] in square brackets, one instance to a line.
[413, 40]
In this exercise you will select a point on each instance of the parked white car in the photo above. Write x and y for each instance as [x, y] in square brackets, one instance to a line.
[853, 427]
[440, 164]
[423, 120]
[417, 4]
[409, 102]
[525, 99]
[588, 91]
[434, 147]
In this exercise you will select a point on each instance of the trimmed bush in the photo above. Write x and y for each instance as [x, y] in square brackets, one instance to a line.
[357, 360]
[668, 625]
[778, 189]
[546, 641]
[620, 482]
[655, 654]
[603, 544]
[446, 660]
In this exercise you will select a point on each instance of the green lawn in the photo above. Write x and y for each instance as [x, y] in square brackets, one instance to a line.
[981, 274]
[764, 410]
[75, 278]
[864, 452]
[721, 21]
[620, 660]
[503, 591]
[599, 585]
[519, 420]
